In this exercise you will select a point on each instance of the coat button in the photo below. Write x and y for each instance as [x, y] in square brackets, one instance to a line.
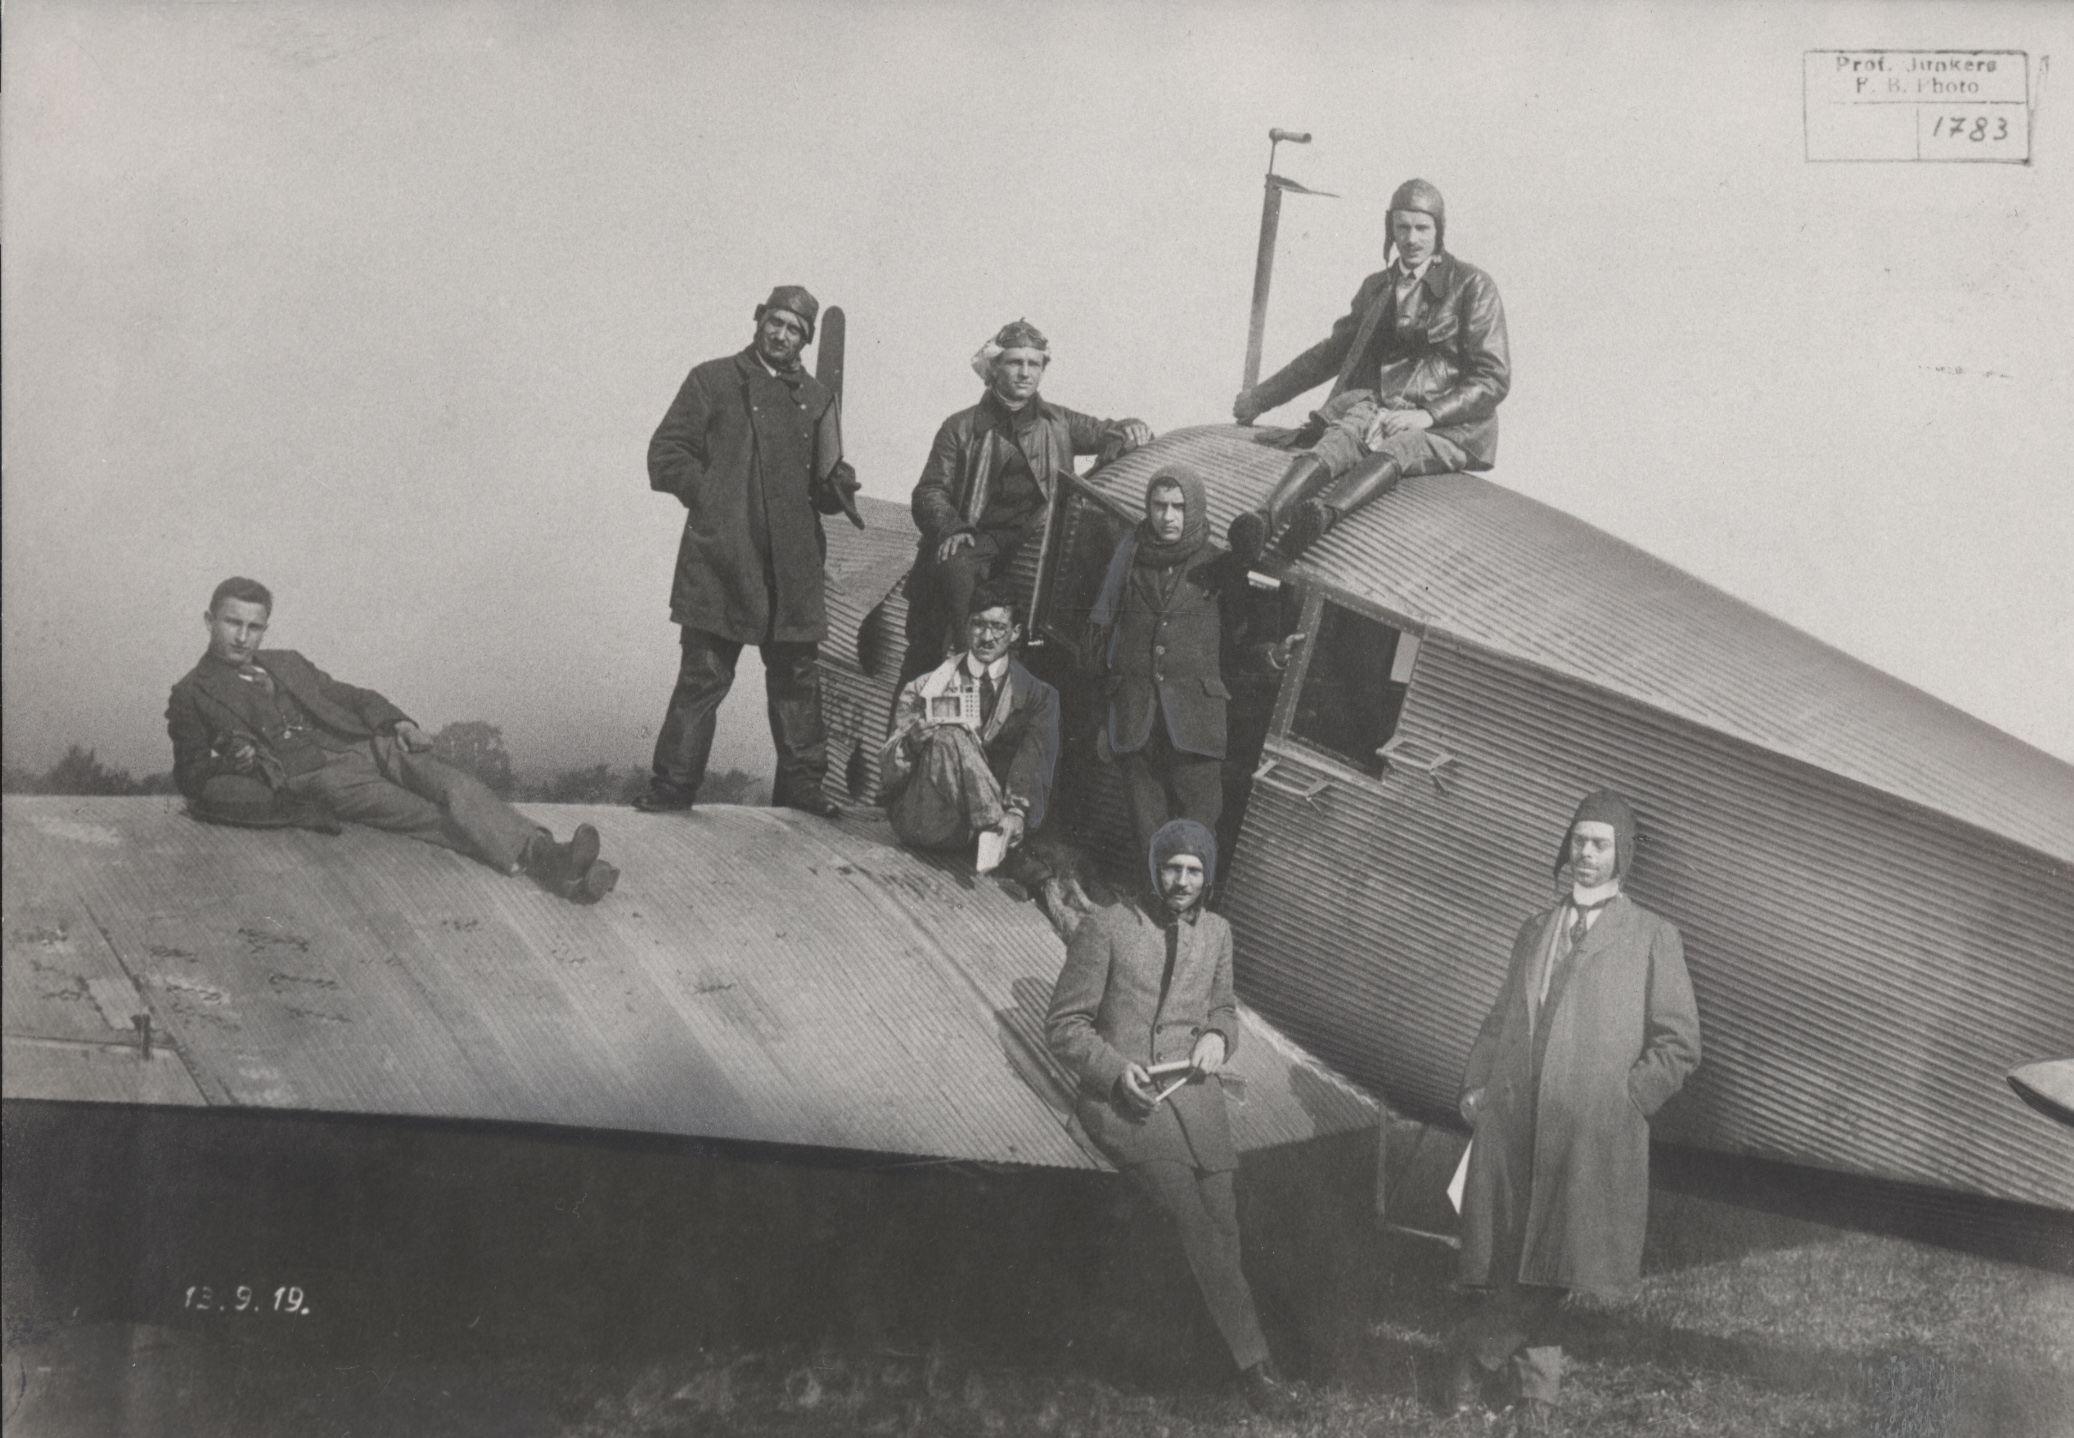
[1159, 649]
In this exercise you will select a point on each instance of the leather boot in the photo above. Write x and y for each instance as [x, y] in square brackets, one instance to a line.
[561, 868]
[1250, 532]
[1316, 517]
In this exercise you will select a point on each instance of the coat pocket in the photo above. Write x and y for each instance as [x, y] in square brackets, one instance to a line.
[1633, 1102]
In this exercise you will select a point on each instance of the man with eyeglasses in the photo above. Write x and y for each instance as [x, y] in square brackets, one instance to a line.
[974, 743]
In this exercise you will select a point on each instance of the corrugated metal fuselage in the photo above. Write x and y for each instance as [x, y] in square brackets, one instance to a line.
[1868, 968]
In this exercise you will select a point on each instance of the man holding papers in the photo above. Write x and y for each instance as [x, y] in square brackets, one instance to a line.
[1593, 1031]
[1145, 1000]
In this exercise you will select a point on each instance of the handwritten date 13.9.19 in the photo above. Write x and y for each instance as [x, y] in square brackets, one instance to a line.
[287, 1299]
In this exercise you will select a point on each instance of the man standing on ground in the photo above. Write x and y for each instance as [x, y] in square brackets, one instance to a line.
[263, 738]
[752, 447]
[1148, 985]
[988, 483]
[974, 742]
[1419, 364]
[1594, 1029]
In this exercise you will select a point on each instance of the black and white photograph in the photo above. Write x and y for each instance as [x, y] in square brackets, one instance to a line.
[1414, 769]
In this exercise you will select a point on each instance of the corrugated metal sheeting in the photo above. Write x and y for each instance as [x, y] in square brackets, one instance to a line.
[860, 660]
[1866, 972]
[1459, 555]
[758, 975]
[1875, 889]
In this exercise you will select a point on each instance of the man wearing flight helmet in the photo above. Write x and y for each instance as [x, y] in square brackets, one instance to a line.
[1593, 1031]
[1143, 1016]
[752, 447]
[1419, 364]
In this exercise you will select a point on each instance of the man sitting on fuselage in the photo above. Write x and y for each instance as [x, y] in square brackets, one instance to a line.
[263, 738]
[974, 744]
[1419, 364]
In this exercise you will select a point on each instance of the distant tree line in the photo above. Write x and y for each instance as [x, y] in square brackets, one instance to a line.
[471, 744]
[80, 772]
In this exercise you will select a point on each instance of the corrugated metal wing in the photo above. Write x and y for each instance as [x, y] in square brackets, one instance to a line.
[758, 975]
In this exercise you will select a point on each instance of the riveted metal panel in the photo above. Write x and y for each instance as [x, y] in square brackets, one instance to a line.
[758, 975]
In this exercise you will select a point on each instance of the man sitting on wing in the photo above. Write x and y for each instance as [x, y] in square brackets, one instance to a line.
[975, 741]
[263, 738]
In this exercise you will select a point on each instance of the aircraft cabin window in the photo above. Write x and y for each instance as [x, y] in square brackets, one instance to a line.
[1354, 685]
[1086, 540]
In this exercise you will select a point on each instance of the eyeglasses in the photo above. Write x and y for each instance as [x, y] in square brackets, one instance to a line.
[990, 626]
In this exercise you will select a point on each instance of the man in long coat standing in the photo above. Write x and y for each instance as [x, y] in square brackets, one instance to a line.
[1594, 1029]
[1147, 984]
[752, 447]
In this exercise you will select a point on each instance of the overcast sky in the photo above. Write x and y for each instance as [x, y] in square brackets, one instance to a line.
[379, 303]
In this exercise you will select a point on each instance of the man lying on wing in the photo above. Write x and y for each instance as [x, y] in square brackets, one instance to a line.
[975, 741]
[264, 738]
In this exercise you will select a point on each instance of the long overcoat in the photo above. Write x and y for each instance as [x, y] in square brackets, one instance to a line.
[1562, 1134]
[738, 439]
[1107, 1011]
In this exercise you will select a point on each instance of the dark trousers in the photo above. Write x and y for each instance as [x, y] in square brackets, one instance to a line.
[792, 685]
[1516, 1322]
[939, 598]
[1207, 1213]
[1417, 451]
[381, 784]
[1164, 783]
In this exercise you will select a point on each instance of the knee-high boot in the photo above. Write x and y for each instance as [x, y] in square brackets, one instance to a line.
[1375, 475]
[1250, 532]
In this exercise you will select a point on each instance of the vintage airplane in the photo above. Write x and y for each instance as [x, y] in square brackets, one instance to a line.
[1876, 890]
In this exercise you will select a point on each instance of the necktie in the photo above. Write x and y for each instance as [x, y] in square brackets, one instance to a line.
[253, 674]
[987, 695]
[1580, 926]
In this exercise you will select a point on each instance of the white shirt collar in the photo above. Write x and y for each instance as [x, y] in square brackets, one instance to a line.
[997, 671]
[1406, 277]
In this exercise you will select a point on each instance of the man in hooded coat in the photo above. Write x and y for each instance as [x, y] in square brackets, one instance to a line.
[1593, 1030]
[1146, 984]
[1419, 364]
[752, 447]
[1159, 631]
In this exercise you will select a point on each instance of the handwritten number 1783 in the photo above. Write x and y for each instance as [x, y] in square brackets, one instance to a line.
[1971, 127]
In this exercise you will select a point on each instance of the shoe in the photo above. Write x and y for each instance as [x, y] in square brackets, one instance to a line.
[661, 799]
[598, 880]
[816, 803]
[1266, 1393]
[1247, 536]
[1314, 520]
[1464, 1393]
[561, 868]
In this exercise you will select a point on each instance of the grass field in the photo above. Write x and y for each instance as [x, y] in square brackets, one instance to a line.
[513, 1285]
[1842, 1334]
